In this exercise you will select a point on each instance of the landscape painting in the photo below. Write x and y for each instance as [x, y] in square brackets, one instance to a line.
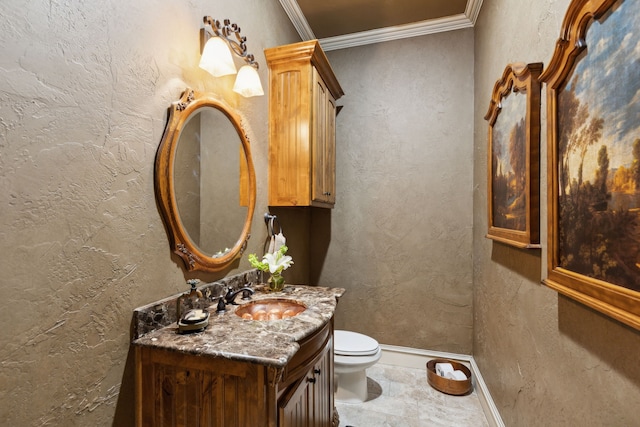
[599, 155]
[514, 157]
[509, 158]
[593, 84]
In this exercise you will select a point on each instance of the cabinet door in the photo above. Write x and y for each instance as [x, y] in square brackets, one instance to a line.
[295, 409]
[289, 135]
[323, 143]
[323, 401]
[310, 403]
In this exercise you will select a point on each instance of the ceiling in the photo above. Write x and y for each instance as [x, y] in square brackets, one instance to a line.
[340, 24]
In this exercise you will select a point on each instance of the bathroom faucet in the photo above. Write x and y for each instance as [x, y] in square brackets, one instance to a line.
[231, 295]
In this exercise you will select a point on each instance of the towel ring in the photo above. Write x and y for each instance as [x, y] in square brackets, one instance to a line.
[270, 220]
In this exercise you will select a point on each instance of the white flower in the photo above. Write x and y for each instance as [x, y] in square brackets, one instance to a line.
[274, 263]
[277, 262]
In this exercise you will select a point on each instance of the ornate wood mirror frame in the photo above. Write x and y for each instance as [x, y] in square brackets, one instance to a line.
[593, 84]
[514, 157]
[180, 113]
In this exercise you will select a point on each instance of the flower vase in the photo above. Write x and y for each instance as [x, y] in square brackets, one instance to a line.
[275, 283]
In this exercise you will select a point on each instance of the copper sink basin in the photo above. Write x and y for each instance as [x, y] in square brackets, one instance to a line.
[270, 309]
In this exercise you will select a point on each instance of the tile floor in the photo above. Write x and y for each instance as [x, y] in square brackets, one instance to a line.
[401, 397]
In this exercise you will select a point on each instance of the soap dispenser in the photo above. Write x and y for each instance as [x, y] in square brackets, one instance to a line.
[195, 319]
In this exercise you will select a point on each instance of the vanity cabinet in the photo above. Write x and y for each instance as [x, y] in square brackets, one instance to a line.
[302, 134]
[175, 388]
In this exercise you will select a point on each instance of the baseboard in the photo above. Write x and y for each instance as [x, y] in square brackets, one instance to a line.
[489, 407]
[417, 358]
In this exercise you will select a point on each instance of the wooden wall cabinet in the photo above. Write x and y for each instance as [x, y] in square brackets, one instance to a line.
[180, 389]
[302, 134]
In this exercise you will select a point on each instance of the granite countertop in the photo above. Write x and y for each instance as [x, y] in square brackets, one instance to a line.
[270, 343]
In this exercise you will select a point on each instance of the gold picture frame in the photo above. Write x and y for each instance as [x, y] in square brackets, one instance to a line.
[514, 157]
[593, 87]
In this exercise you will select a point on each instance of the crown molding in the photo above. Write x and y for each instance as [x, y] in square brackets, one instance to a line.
[298, 19]
[473, 10]
[431, 26]
[380, 35]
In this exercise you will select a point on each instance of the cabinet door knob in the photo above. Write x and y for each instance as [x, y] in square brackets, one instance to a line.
[327, 193]
[317, 371]
[311, 380]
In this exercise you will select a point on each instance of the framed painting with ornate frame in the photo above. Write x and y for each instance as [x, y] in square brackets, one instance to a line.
[514, 157]
[593, 106]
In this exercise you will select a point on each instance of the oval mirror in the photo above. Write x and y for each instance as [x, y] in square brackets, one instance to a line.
[205, 182]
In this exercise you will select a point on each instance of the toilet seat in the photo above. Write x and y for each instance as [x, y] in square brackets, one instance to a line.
[348, 343]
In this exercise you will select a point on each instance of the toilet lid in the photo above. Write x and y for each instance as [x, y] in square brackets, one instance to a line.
[349, 343]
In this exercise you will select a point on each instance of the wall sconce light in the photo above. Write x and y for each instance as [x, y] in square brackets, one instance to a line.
[216, 44]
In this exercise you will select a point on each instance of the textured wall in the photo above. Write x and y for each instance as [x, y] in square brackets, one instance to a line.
[84, 92]
[400, 239]
[547, 360]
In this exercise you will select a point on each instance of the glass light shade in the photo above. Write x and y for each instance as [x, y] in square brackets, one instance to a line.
[248, 82]
[216, 58]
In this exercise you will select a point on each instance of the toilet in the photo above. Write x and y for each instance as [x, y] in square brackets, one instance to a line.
[353, 354]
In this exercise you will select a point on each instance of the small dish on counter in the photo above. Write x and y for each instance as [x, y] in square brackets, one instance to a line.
[193, 321]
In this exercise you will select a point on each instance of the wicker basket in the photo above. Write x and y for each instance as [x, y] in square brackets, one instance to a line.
[445, 385]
